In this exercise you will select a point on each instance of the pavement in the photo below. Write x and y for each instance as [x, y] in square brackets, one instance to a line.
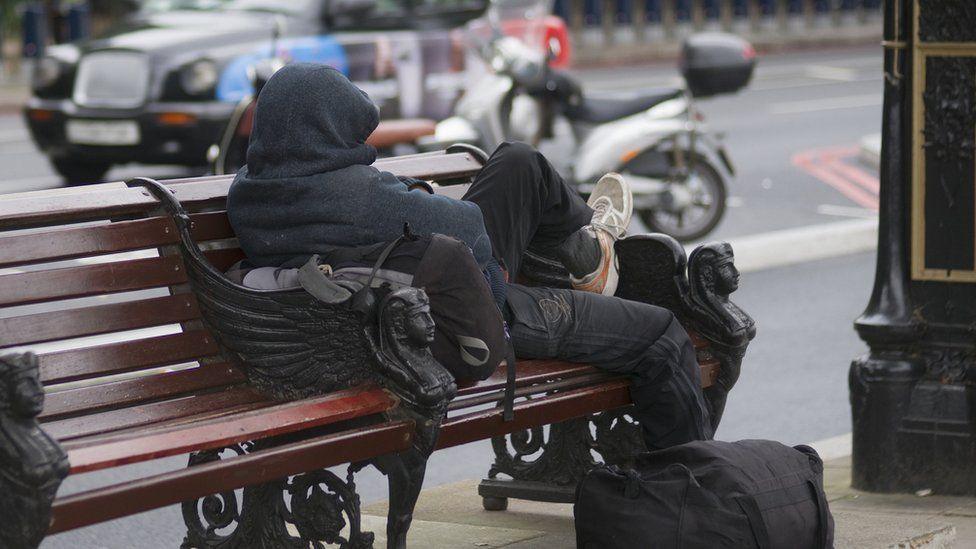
[451, 516]
[14, 88]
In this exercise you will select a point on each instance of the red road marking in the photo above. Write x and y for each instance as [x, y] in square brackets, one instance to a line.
[829, 166]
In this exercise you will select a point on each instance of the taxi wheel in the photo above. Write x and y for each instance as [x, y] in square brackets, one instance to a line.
[79, 172]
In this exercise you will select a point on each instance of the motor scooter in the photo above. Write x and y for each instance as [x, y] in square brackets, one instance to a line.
[657, 138]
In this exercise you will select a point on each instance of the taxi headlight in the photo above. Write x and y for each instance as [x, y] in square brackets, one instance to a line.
[198, 77]
[47, 70]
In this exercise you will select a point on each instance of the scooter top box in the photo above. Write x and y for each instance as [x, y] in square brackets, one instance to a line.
[717, 63]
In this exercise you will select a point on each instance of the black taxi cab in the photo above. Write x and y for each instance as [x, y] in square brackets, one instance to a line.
[161, 86]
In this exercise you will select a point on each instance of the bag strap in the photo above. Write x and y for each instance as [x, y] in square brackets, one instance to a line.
[382, 259]
[364, 300]
[750, 507]
[508, 413]
[315, 282]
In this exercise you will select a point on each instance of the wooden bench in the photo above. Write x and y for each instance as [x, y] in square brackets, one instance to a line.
[97, 282]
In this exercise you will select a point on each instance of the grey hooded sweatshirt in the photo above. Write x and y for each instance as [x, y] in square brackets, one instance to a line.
[309, 184]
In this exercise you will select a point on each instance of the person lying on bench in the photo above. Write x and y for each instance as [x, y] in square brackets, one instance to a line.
[309, 187]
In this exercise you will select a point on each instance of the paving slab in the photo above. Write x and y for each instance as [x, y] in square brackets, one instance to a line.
[451, 515]
[425, 533]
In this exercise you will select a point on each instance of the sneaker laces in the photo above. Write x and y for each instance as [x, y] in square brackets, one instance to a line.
[606, 218]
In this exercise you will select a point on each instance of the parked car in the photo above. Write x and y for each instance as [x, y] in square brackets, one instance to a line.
[161, 86]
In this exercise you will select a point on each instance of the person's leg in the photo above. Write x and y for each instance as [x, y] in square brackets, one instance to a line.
[525, 203]
[643, 341]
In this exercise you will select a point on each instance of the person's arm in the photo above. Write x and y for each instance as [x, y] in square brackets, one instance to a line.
[431, 213]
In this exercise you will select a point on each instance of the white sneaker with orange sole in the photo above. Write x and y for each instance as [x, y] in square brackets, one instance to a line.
[613, 204]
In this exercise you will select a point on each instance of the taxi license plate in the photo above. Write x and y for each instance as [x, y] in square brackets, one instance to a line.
[103, 132]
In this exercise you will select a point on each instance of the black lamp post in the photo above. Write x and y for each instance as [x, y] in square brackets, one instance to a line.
[913, 396]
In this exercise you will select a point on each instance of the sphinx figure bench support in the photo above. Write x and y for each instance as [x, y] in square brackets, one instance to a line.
[547, 466]
[32, 464]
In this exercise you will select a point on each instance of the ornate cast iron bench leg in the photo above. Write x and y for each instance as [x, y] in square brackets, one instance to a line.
[405, 473]
[562, 458]
[322, 505]
[655, 270]
[32, 464]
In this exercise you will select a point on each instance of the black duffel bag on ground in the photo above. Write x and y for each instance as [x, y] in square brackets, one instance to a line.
[708, 494]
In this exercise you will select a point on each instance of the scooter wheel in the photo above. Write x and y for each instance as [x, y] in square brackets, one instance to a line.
[698, 218]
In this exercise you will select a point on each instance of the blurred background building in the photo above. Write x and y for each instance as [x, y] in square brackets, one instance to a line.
[618, 30]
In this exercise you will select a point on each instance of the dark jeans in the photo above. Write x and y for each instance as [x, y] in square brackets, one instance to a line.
[527, 205]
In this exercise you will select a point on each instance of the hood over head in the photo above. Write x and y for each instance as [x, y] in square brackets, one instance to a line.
[310, 119]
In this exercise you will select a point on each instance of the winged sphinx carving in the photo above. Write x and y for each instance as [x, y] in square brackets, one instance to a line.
[32, 463]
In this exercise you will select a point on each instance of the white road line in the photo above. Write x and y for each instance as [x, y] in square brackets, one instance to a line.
[803, 244]
[832, 103]
[846, 211]
[831, 73]
[834, 447]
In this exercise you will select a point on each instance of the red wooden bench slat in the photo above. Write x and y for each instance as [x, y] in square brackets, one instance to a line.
[73, 242]
[224, 258]
[69, 242]
[148, 493]
[232, 399]
[110, 200]
[133, 391]
[104, 201]
[255, 425]
[540, 371]
[100, 319]
[70, 282]
[530, 413]
[115, 358]
[447, 166]
[211, 226]
[103, 278]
